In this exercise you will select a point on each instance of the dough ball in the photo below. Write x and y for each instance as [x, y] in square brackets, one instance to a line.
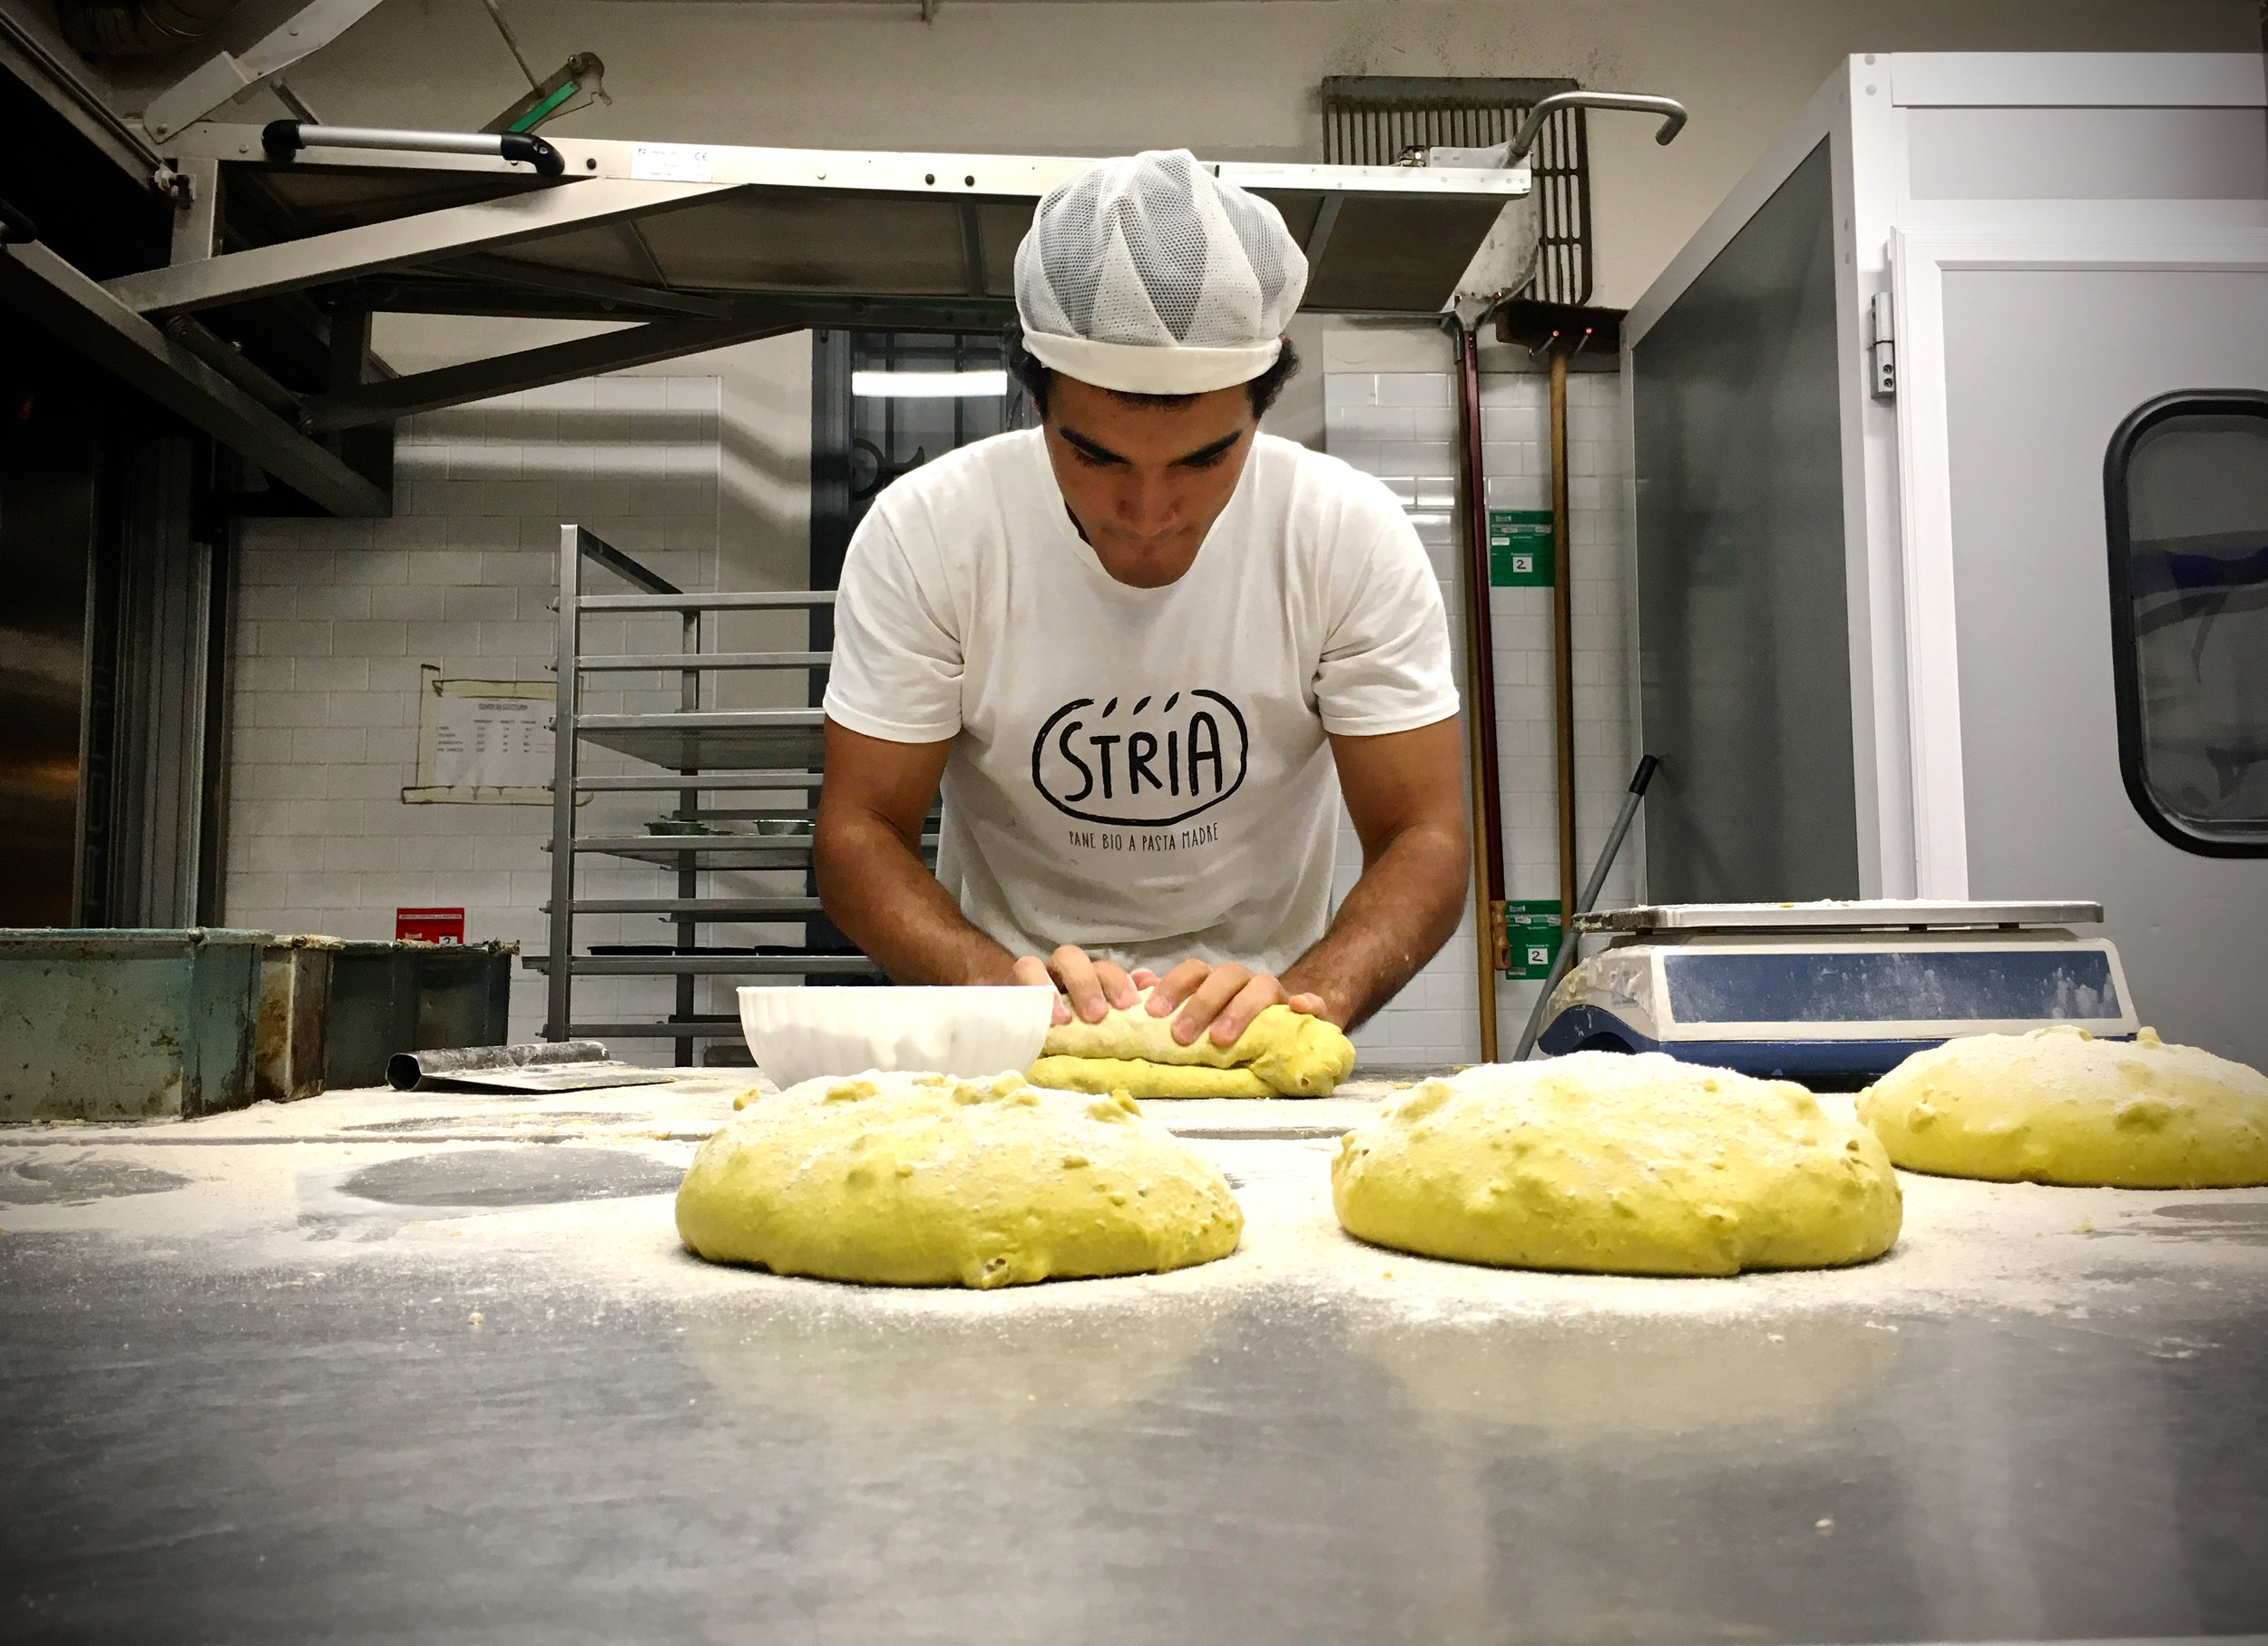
[1616, 1164]
[2060, 1106]
[923, 1180]
[1290, 1053]
[1140, 1079]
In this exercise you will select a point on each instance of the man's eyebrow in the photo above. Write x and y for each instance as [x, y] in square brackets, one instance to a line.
[1104, 454]
[1206, 454]
[1100, 454]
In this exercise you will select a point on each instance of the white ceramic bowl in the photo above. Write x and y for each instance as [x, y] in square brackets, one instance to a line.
[800, 1034]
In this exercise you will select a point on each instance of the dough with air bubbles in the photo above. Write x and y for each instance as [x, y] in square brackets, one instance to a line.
[1616, 1164]
[1286, 1054]
[923, 1179]
[2057, 1105]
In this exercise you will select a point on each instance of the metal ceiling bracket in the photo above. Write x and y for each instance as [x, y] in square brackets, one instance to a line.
[486, 267]
[1319, 236]
[222, 77]
[197, 211]
[534, 367]
[45, 288]
[428, 237]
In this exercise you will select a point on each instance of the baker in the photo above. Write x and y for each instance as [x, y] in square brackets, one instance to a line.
[1146, 649]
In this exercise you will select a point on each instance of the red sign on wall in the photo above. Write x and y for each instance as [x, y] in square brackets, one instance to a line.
[429, 924]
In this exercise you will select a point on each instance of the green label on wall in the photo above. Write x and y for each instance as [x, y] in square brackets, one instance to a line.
[1519, 548]
[1532, 929]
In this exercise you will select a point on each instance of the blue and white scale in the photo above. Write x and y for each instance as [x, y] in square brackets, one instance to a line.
[1835, 994]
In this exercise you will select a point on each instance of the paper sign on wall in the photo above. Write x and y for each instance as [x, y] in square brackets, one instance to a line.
[483, 742]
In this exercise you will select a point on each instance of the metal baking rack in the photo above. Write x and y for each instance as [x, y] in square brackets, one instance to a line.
[702, 756]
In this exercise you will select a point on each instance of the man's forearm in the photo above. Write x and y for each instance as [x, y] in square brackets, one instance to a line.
[874, 886]
[1397, 916]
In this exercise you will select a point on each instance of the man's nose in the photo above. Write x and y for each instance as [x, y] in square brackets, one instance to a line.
[1147, 504]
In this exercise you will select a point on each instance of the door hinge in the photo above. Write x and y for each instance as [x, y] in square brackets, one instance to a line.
[1881, 348]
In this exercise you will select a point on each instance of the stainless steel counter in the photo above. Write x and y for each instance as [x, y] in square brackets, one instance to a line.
[419, 1367]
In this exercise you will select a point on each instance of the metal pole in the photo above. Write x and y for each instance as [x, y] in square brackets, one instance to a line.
[1562, 634]
[689, 802]
[559, 993]
[1488, 844]
[1648, 766]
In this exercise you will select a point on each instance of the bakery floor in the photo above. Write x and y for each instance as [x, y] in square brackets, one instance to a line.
[434, 1367]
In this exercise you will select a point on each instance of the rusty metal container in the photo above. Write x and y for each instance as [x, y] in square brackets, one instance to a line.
[295, 1008]
[127, 1024]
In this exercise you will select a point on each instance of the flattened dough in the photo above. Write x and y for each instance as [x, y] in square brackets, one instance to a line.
[1616, 1164]
[1288, 1052]
[1138, 1078]
[923, 1180]
[2060, 1106]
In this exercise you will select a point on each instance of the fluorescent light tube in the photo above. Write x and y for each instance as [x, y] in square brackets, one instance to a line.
[928, 384]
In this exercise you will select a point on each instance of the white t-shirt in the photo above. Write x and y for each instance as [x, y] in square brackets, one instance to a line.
[1142, 772]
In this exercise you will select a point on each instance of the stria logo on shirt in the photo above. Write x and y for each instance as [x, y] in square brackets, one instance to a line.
[1162, 761]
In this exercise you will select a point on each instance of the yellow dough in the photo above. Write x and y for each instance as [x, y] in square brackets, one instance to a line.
[1139, 1078]
[2060, 1106]
[1616, 1164]
[1288, 1053]
[923, 1180]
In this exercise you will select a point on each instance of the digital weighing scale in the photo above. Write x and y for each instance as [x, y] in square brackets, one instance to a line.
[1833, 994]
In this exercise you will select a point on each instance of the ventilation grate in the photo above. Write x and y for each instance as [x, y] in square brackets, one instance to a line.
[1373, 119]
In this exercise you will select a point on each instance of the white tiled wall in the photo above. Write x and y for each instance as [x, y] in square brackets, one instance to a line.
[335, 618]
[1402, 426]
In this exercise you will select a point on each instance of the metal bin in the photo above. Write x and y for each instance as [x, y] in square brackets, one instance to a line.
[389, 997]
[105, 1025]
[295, 998]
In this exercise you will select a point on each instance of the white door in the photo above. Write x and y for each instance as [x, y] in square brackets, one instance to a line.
[2008, 557]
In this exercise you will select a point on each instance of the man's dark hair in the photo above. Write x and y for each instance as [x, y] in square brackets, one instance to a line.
[1037, 378]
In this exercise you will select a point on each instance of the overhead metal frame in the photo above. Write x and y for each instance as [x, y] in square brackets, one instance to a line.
[705, 246]
[42, 286]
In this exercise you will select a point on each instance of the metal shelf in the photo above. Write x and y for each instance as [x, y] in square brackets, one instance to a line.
[698, 751]
[718, 781]
[680, 662]
[765, 599]
[750, 739]
[709, 965]
[699, 908]
[686, 1029]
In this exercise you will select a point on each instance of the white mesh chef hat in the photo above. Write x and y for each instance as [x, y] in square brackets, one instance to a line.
[1150, 276]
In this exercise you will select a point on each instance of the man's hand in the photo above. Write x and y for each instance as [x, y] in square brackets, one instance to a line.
[1224, 999]
[1089, 986]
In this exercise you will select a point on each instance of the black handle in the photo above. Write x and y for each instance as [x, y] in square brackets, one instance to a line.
[531, 150]
[1648, 766]
[16, 229]
[280, 139]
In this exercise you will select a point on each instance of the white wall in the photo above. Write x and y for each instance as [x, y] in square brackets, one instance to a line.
[1390, 410]
[1233, 79]
[701, 473]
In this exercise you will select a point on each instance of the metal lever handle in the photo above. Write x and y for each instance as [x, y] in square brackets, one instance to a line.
[284, 138]
[1672, 112]
[1648, 766]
